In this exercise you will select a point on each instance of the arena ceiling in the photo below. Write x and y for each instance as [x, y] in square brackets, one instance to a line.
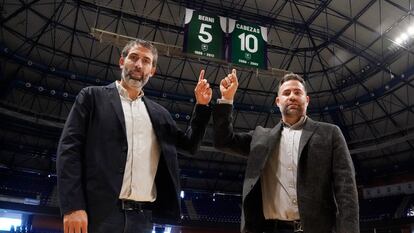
[358, 67]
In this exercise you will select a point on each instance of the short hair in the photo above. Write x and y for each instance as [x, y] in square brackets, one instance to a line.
[143, 43]
[292, 76]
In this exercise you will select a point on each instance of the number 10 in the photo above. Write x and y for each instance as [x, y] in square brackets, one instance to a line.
[245, 43]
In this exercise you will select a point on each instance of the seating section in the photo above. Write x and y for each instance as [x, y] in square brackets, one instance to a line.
[379, 208]
[203, 207]
[227, 209]
[212, 208]
[27, 186]
[24, 230]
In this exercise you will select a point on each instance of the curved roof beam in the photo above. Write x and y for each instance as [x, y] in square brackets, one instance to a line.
[393, 83]
[166, 26]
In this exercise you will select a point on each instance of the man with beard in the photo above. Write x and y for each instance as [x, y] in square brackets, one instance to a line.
[299, 175]
[117, 156]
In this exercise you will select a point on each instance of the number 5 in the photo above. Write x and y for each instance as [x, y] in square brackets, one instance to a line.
[208, 37]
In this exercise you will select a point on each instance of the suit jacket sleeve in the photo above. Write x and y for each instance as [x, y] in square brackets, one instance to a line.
[345, 186]
[190, 140]
[224, 137]
[70, 153]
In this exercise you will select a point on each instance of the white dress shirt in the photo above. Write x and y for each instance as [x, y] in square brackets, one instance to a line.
[143, 150]
[278, 179]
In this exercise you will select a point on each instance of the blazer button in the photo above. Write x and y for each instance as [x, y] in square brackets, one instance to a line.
[121, 170]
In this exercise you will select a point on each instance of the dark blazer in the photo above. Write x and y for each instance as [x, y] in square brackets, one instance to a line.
[326, 188]
[92, 153]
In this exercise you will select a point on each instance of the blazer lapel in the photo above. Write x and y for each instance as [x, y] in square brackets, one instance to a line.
[308, 130]
[274, 137]
[115, 100]
[153, 113]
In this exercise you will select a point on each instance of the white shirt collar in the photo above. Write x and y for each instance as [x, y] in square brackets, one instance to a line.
[124, 93]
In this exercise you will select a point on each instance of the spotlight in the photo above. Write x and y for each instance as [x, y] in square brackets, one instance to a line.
[410, 31]
[404, 36]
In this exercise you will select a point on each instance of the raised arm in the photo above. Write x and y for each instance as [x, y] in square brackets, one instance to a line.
[224, 137]
[190, 140]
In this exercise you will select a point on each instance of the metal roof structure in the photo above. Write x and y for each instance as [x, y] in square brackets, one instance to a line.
[360, 76]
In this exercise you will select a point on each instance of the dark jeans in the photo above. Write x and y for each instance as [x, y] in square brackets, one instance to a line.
[124, 221]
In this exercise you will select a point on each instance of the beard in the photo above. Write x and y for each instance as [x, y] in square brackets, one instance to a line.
[134, 81]
[288, 111]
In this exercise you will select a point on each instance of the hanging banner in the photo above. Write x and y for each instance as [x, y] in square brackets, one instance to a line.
[204, 34]
[248, 44]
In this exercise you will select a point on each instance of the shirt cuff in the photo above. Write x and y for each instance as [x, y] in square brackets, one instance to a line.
[224, 101]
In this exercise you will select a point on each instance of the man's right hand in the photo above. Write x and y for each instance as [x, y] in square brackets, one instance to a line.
[228, 86]
[75, 222]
